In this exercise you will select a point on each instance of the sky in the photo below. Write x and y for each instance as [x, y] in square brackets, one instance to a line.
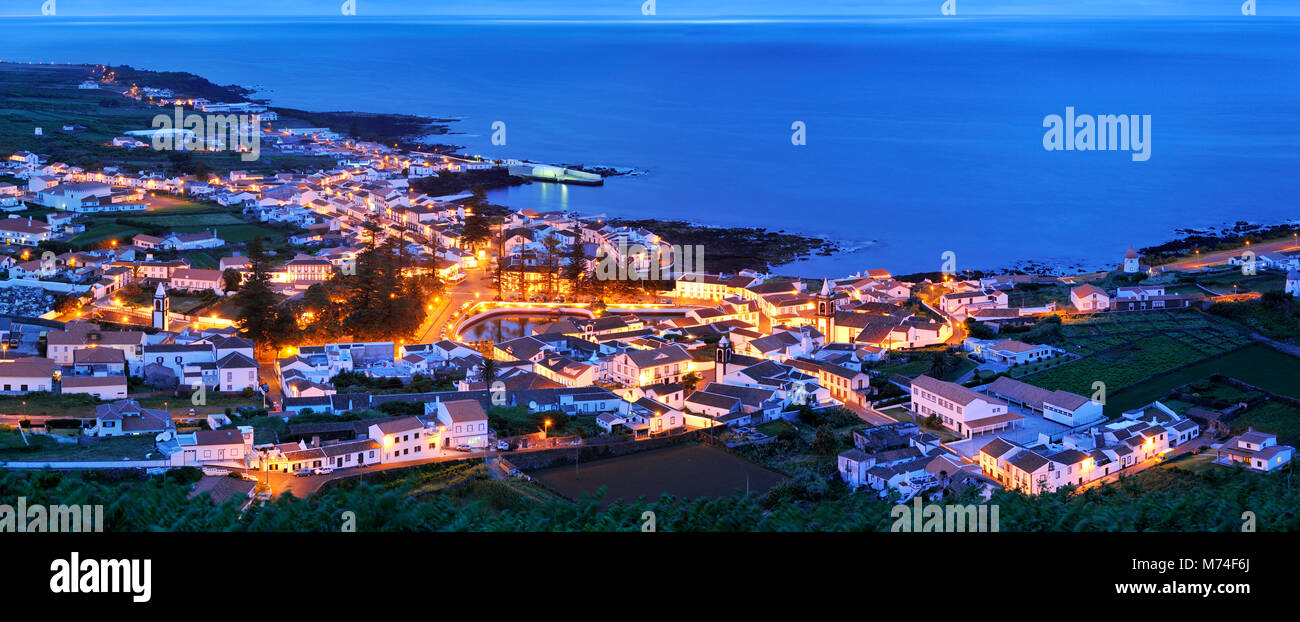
[668, 9]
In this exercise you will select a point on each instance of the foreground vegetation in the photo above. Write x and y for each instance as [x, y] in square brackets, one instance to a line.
[460, 497]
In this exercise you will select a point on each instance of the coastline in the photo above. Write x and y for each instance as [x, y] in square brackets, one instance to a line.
[767, 250]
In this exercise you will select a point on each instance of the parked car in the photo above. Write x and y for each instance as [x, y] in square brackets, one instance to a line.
[503, 446]
[324, 470]
[215, 472]
[464, 448]
[303, 473]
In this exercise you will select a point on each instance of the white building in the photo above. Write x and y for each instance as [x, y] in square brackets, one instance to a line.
[1132, 262]
[127, 417]
[463, 423]
[25, 375]
[102, 387]
[1088, 298]
[1059, 406]
[213, 447]
[1257, 451]
[24, 231]
[404, 439]
[960, 409]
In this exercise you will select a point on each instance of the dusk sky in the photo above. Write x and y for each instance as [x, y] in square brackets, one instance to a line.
[687, 9]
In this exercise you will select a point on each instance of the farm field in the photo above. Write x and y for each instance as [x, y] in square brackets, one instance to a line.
[1255, 364]
[1119, 366]
[685, 471]
[1274, 418]
[240, 233]
[1223, 281]
[1121, 350]
[46, 448]
[47, 96]
[1206, 333]
[1038, 295]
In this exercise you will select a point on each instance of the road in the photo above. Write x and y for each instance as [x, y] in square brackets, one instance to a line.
[870, 415]
[476, 286]
[929, 296]
[1222, 257]
[478, 282]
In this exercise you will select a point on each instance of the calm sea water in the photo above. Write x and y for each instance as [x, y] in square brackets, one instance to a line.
[923, 135]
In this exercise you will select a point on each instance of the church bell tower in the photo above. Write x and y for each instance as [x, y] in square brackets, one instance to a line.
[723, 356]
[825, 321]
[161, 307]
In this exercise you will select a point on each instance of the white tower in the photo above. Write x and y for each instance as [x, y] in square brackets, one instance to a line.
[1293, 282]
[826, 312]
[161, 306]
[722, 356]
[1131, 261]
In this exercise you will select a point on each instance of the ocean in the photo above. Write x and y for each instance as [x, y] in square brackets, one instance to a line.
[923, 136]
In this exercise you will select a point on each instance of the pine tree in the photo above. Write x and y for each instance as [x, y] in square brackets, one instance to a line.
[255, 301]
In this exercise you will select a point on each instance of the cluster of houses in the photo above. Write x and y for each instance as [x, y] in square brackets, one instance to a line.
[453, 423]
[336, 213]
[899, 458]
[1090, 298]
[1089, 454]
[1077, 447]
[81, 358]
[749, 350]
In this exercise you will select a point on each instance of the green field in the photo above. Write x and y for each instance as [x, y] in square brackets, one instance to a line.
[1222, 281]
[1036, 295]
[1203, 332]
[44, 448]
[1124, 349]
[170, 220]
[1119, 366]
[103, 231]
[240, 233]
[78, 405]
[47, 96]
[202, 259]
[685, 471]
[1274, 418]
[1255, 364]
[83, 406]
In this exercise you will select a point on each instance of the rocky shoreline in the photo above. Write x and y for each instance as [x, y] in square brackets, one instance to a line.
[732, 249]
